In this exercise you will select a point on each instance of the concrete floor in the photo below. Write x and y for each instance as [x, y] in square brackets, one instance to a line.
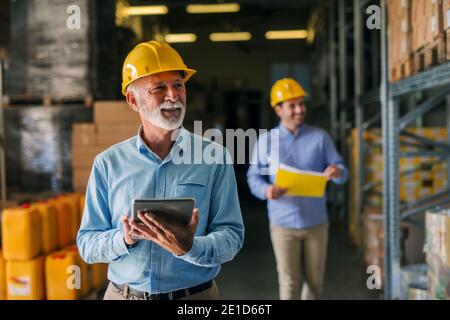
[252, 274]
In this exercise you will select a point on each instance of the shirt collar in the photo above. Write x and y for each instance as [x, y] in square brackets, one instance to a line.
[285, 131]
[180, 141]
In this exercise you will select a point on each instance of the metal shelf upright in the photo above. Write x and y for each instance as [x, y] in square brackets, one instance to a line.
[437, 79]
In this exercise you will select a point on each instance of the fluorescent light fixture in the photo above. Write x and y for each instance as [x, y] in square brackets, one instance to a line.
[180, 37]
[213, 8]
[286, 34]
[146, 10]
[230, 36]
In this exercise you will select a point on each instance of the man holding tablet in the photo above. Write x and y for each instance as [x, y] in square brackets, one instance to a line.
[168, 261]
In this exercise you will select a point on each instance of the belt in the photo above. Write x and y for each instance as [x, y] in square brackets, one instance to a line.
[174, 295]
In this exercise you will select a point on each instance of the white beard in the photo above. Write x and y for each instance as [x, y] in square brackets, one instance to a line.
[156, 117]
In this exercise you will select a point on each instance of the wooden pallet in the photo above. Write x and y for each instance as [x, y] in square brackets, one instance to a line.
[48, 101]
[432, 54]
[402, 69]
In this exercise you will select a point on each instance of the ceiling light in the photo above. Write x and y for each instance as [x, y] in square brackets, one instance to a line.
[146, 10]
[230, 36]
[180, 37]
[213, 8]
[286, 34]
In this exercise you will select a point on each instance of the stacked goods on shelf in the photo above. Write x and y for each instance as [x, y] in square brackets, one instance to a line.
[400, 28]
[38, 248]
[418, 32]
[427, 176]
[114, 121]
[414, 282]
[373, 237]
[437, 250]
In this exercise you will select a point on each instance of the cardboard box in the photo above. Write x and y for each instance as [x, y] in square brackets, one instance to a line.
[421, 28]
[437, 233]
[115, 112]
[84, 157]
[80, 179]
[109, 134]
[446, 14]
[83, 135]
[436, 18]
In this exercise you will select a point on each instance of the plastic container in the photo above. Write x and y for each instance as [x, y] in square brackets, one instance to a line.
[61, 277]
[98, 274]
[21, 233]
[63, 218]
[49, 226]
[25, 279]
[81, 206]
[2, 277]
[72, 202]
[85, 283]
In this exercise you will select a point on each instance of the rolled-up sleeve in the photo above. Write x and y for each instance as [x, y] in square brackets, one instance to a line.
[333, 157]
[225, 235]
[97, 240]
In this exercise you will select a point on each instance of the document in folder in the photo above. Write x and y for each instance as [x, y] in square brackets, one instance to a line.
[301, 183]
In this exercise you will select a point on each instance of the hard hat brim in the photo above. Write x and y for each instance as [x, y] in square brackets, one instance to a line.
[275, 103]
[188, 74]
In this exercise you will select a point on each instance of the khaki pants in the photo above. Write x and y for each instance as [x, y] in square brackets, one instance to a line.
[291, 248]
[112, 293]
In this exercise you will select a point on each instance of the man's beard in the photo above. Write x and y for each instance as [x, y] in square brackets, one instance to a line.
[156, 117]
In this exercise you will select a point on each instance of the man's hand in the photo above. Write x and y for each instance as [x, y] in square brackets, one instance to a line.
[127, 230]
[274, 192]
[332, 172]
[176, 239]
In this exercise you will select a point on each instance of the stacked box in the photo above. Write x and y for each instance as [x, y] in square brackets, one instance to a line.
[437, 249]
[421, 29]
[446, 24]
[414, 282]
[114, 121]
[373, 241]
[400, 38]
[436, 18]
[373, 237]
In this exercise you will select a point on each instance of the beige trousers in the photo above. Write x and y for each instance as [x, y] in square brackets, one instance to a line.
[112, 293]
[293, 249]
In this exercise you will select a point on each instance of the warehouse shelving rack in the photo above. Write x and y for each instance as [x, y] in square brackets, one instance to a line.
[357, 106]
[436, 82]
[366, 108]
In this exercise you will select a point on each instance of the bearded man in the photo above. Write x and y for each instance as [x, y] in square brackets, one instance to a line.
[155, 260]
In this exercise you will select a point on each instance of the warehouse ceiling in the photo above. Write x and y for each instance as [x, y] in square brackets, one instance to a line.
[255, 16]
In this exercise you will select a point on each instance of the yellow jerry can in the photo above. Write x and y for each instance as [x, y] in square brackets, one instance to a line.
[21, 233]
[72, 203]
[98, 273]
[25, 279]
[2, 277]
[62, 276]
[84, 272]
[62, 221]
[49, 226]
[81, 206]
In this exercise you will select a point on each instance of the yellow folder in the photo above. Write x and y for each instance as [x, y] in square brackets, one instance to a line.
[301, 183]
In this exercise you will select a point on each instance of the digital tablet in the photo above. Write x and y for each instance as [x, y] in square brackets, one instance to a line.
[173, 211]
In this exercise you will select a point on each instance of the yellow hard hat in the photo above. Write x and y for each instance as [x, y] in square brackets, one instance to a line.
[286, 89]
[151, 57]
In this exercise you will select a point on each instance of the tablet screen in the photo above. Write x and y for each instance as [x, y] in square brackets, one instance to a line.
[176, 212]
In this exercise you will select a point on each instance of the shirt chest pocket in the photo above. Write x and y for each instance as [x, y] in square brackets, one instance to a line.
[191, 188]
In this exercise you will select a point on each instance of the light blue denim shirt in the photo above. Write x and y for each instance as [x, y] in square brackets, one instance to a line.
[310, 148]
[130, 170]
